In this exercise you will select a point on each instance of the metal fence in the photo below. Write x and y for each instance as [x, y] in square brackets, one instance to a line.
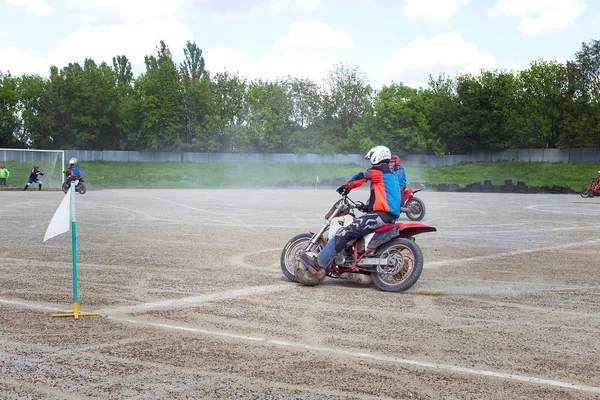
[534, 155]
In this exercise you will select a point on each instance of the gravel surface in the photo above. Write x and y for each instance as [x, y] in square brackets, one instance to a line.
[193, 304]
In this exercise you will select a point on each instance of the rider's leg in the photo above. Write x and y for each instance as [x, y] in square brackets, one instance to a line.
[359, 228]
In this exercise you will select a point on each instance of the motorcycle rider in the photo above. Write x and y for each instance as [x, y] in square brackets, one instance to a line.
[399, 171]
[596, 183]
[382, 208]
[73, 173]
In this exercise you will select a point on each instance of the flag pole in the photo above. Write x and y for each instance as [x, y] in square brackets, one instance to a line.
[75, 312]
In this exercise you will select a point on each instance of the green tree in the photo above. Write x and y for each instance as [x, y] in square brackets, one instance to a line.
[268, 125]
[37, 121]
[159, 105]
[349, 91]
[398, 120]
[9, 102]
[230, 111]
[307, 117]
[197, 88]
[543, 95]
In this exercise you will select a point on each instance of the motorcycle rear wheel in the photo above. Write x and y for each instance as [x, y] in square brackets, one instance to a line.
[404, 265]
[81, 188]
[416, 209]
[288, 255]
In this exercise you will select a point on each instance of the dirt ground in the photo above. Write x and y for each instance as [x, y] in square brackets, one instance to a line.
[193, 304]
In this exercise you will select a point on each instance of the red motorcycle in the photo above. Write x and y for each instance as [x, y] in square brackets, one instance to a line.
[389, 257]
[411, 205]
[591, 190]
[79, 185]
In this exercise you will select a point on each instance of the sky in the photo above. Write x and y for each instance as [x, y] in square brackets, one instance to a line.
[389, 40]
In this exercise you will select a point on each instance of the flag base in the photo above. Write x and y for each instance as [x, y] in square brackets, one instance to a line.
[76, 313]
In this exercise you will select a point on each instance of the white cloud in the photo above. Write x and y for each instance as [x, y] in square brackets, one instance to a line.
[18, 63]
[134, 40]
[240, 9]
[296, 64]
[444, 53]
[434, 10]
[316, 35]
[596, 19]
[35, 7]
[270, 67]
[310, 5]
[221, 59]
[99, 11]
[540, 17]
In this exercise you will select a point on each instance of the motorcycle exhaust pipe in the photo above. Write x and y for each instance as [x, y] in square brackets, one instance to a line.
[357, 278]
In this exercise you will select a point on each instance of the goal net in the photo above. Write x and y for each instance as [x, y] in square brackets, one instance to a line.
[20, 162]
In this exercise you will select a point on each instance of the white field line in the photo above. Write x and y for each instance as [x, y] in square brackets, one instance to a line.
[193, 301]
[196, 300]
[437, 264]
[31, 305]
[371, 356]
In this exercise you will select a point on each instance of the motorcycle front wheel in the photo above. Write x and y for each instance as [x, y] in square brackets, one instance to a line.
[585, 193]
[288, 255]
[416, 209]
[65, 186]
[404, 264]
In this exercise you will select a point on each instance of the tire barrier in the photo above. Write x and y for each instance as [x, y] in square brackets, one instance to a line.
[475, 187]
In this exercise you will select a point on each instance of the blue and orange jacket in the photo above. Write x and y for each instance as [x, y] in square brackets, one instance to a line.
[385, 192]
[73, 172]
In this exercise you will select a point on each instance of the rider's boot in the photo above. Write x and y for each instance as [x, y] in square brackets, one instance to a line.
[309, 259]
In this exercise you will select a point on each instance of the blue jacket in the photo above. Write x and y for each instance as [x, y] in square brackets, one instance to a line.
[401, 175]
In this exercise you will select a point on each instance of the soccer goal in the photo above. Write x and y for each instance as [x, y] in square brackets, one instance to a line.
[20, 162]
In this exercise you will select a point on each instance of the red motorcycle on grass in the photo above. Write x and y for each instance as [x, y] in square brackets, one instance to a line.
[389, 257]
[411, 205]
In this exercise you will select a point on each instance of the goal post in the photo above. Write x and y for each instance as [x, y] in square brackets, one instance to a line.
[19, 163]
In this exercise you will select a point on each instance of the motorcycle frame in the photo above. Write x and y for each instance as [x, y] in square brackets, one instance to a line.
[407, 230]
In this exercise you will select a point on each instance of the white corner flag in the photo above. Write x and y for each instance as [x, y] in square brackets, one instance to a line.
[61, 220]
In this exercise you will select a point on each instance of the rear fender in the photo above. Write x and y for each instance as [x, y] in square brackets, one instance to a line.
[407, 229]
[412, 229]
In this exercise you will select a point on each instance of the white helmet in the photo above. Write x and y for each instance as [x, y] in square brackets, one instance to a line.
[73, 161]
[378, 154]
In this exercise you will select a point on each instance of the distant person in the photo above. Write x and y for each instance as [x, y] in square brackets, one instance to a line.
[382, 208]
[596, 183]
[399, 171]
[4, 174]
[73, 173]
[33, 177]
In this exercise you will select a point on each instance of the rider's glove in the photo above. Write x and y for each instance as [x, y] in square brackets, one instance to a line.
[342, 190]
[363, 207]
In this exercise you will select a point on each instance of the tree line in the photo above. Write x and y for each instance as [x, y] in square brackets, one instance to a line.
[184, 107]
